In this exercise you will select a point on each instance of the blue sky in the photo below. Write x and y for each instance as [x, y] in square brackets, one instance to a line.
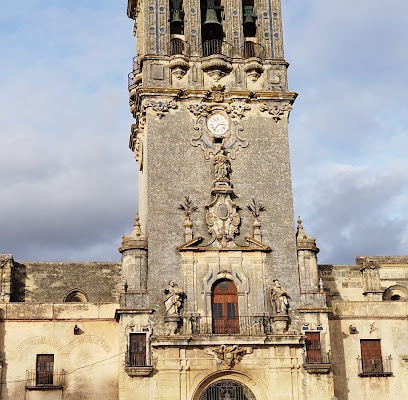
[69, 182]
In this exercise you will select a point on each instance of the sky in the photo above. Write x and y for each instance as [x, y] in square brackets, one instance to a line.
[68, 182]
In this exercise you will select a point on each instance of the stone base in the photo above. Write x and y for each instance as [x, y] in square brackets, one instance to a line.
[173, 323]
[280, 323]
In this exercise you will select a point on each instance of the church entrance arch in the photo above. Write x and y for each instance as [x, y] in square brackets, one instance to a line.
[227, 389]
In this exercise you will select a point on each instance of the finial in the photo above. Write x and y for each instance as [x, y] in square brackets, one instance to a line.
[136, 240]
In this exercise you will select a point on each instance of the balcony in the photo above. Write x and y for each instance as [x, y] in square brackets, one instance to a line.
[229, 326]
[178, 46]
[251, 49]
[317, 362]
[216, 47]
[137, 364]
[374, 366]
[45, 380]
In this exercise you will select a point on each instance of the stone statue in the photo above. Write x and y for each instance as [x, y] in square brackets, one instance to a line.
[279, 298]
[222, 167]
[174, 299]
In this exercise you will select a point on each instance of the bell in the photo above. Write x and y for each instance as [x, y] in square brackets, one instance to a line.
[176, 19]
[249, 20]
[211, 17]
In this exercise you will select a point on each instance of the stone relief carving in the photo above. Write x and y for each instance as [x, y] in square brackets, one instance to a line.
[279, 298]
[161, 107]
[230, 140]
[256, 209]
[278, 111]
[188, 207]
[228, 355]
[222, 217]
[136, 139]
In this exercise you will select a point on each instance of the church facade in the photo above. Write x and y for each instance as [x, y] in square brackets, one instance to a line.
[216, 296]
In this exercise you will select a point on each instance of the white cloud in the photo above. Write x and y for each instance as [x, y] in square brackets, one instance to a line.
[69, 181]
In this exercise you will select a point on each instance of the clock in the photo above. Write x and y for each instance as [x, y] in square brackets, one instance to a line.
[217, 124]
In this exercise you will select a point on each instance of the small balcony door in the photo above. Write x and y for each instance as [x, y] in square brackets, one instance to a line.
[44, 373]
[313, 348]
[371, 356]
[224, 301]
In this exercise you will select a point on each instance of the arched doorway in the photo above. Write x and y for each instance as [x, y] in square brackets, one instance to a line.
[227, 389]
[224, 302]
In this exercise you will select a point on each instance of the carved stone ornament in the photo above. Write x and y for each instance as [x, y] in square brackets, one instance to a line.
[222, 219]
[136, 140]
[278, 111]
[188, 207]
[228, 355]
[161, 107]
[216, 67]
[208, 141]
[179, 66]
[253, 69]
[256, 209]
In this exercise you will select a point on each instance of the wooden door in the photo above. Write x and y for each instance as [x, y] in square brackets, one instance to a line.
[313, 348]
[137, 350]
[371, 356]
[224, 301]
[44, 369]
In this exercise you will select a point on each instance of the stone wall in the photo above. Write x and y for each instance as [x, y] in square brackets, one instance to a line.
[52, 281]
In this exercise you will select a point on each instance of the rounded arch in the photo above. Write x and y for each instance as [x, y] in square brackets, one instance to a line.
[395, 293]
[75, 296]
[222, 381]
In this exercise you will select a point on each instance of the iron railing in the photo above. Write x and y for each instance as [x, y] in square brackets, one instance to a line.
[374, 366]
[252, 49]
[317, 358]
[178, 46]
[137, 359]
[216, 46]
[36, 378]
[242, 325]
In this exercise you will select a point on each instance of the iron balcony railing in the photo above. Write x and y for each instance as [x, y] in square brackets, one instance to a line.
[242, 325]
[374, 366]
[252, 49]
[55, 378]
[137, 359]
[216, 46]
[178, 46]
[317, 358]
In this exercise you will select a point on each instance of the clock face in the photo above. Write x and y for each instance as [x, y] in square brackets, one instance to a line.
[217, 124]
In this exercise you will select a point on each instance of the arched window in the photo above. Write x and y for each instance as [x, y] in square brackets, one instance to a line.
[224, 302]
[395, 293]
[227, 389]
[75, 296]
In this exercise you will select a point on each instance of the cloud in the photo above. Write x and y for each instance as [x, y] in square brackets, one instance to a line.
[69, 183]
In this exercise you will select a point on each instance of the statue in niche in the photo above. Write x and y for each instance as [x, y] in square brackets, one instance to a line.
[279, 298]
[174, 299]
[222, 167]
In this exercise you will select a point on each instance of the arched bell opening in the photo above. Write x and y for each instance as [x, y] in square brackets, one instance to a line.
[212, 33]
[176, 17]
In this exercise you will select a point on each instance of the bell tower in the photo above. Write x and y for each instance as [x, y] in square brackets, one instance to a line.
[217, 293]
